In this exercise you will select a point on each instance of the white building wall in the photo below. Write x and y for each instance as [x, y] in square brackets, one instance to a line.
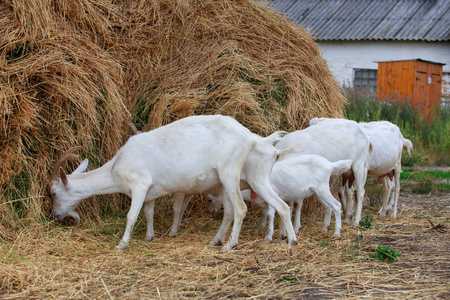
[344, 57]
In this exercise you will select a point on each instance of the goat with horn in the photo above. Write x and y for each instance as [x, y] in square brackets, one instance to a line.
[198, 154]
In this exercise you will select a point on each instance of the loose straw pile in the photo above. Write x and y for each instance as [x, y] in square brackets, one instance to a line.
[50, 261]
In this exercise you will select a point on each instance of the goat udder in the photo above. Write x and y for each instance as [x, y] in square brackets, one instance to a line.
[254, 196]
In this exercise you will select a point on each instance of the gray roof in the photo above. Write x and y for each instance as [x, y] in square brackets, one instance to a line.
[331, 20]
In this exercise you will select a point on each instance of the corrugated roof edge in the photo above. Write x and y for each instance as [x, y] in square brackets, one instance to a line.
[382, 39]
[419, 59]
[412, 25]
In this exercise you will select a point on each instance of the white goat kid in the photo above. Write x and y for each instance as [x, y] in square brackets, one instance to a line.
[333, 139]
[189, 156]
[297, 178]
[384, 161]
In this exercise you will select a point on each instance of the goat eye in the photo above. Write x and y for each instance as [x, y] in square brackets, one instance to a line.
[53, 194]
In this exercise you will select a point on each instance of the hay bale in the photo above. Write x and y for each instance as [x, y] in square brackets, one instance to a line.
[232, 57]
[59, 87]
[73, 72]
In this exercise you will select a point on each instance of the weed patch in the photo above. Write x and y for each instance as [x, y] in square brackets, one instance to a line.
[384, 253]
[366, 222]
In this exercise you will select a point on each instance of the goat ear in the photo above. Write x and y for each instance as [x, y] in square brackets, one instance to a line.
[81, 167]
[63, 176]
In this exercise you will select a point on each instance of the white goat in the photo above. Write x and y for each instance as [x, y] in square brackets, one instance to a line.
[294, 179]
[333, 139]
[193, 155]
[384, 161]
[181, 200]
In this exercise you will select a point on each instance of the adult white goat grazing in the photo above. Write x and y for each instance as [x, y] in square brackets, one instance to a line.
[333, 139]
[384, 161]
[294, 179]
[192, 155]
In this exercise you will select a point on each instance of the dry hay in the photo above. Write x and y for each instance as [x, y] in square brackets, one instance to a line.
[58, 88]
[73, 72]
[238, 59]
[50, 261]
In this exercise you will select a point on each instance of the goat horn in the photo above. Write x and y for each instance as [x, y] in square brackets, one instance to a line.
[66, 156]
[133, 127]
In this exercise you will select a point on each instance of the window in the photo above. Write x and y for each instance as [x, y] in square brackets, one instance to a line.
[366, 78]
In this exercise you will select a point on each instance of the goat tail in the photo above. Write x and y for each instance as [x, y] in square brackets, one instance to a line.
[370, 145]
[409, 146]
[275, 137]
[341, 166]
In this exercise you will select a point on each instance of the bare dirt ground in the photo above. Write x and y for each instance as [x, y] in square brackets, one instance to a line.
[53, 262]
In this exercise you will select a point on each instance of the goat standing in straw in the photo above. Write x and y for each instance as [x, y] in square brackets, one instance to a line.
[197, 154]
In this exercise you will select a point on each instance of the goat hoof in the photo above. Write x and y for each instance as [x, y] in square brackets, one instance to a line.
[268, 238]
[292, 243]
[148, 239]
[355, 223]
[227, 247]
[122, 245]
[216, 243]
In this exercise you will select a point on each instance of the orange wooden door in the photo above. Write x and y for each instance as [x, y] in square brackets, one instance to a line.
[427, 88]
[435, 92]
[421, 91]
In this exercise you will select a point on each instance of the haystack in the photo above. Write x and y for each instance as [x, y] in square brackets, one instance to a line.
[73, 72]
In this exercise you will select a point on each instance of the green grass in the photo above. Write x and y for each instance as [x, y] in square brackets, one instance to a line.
[435, 174]
[425, 182]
